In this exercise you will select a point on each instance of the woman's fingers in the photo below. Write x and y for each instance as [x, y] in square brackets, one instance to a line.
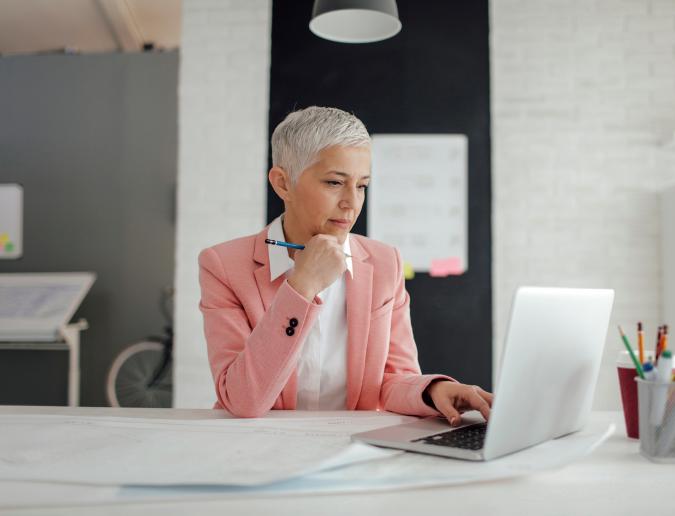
[487, 396]
[478, 402]
[446, 407]
[451, 399]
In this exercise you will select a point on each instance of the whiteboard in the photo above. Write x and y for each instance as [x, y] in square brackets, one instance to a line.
[417, 199]
[11, 221]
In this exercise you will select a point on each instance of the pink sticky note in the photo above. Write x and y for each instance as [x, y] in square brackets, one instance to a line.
[441, 267]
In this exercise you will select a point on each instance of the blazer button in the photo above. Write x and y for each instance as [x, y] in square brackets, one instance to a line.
[290, 331]
[293, 322]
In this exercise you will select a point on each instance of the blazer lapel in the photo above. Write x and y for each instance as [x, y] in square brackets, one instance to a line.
[359, 300]
[267, 290]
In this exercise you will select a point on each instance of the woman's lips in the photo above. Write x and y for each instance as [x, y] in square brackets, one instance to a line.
[342, 223]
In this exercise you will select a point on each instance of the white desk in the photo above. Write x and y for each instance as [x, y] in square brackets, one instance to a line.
[614, 480]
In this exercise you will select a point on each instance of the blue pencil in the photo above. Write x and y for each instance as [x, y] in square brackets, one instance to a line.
[283, 244]
[292, 246]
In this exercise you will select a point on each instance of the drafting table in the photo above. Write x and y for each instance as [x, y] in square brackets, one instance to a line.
[35, 310]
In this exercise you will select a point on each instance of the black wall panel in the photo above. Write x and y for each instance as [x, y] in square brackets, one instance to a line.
[433, 77]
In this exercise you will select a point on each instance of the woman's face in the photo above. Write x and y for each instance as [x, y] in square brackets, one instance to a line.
[329, 195]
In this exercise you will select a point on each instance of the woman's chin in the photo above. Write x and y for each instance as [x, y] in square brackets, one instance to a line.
[339, 232]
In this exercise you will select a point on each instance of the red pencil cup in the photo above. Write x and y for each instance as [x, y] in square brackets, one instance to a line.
[629, 397]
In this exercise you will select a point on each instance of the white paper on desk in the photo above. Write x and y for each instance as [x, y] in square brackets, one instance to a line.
[407, 471]
[136, 451]
[417, 470]
[15, 494]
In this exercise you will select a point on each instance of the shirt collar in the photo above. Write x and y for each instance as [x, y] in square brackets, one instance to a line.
[280, 262]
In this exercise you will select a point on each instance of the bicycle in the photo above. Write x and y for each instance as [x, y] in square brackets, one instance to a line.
[142, 374]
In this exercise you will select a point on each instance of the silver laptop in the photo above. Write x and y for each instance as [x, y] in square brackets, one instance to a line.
[545, 390]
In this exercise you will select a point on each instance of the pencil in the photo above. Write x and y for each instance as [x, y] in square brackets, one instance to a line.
[641, 343]
[657, 349]
[292, 246]
[284, 244]
[626, 342]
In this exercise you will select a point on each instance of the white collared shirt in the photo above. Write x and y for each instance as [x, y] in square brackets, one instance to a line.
[322, 367]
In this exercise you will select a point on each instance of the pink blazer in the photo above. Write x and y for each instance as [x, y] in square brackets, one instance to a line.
[253, 358]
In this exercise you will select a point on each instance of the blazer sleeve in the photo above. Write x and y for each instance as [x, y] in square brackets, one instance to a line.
[250, 366]
[403, 383]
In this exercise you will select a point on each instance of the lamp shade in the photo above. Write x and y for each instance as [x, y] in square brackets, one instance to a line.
[355, 21]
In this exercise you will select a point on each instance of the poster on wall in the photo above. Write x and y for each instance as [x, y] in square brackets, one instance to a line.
[417, 200]
[11, 221]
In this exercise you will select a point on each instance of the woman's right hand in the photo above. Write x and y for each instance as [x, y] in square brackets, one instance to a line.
[317, 266]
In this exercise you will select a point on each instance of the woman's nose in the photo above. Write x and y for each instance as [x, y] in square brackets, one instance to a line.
[349, 198]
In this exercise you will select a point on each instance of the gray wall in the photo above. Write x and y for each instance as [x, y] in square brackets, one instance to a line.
[92, 139]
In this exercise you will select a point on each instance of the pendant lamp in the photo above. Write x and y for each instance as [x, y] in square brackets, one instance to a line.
[355, 21]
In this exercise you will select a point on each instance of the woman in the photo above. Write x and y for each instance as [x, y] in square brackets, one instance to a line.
[327, 327]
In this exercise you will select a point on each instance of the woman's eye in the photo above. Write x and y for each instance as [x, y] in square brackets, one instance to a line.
[338, 183]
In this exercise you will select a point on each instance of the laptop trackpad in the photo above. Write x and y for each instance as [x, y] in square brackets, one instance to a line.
[423, 427]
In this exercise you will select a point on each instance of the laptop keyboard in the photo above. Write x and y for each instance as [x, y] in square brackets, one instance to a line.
[470, 437]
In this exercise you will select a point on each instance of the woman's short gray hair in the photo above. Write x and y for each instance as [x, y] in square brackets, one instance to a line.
[299, 138]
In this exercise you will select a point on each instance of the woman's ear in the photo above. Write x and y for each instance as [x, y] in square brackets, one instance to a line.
[281, 183]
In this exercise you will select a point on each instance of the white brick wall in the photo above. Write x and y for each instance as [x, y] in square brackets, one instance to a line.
[668, 255]
[583, 95]
[223, 107]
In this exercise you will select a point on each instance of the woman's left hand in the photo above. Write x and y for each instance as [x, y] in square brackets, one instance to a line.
[452, 398]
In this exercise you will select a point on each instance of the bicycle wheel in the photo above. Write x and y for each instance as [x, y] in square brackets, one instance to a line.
[132, 372]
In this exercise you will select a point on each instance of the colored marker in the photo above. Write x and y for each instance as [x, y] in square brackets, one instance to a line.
[641, 343]
[657, 349]
[665, 369]
[664, 342]
[638, 366]
[649, 371]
